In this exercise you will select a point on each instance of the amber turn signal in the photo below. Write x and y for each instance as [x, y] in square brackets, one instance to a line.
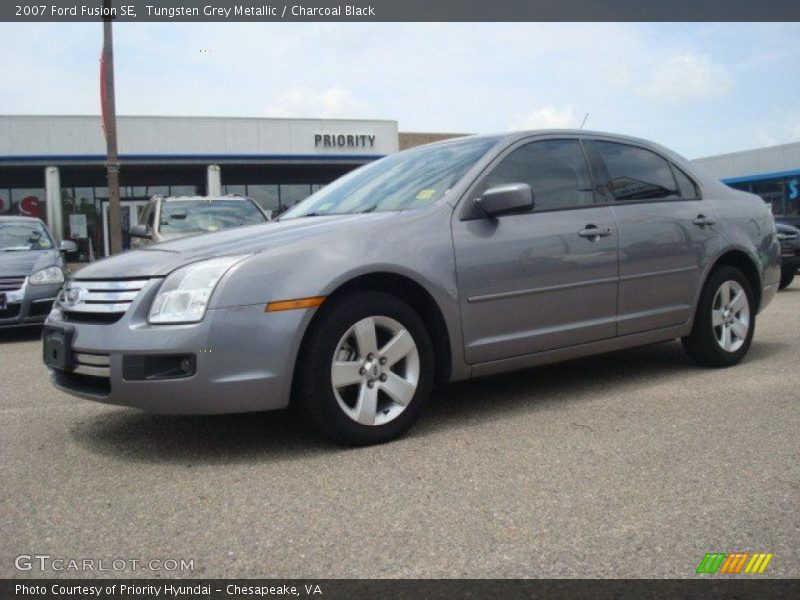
[295, 304]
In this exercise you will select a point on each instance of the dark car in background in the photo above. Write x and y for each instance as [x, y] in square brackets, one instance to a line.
[32, 270]
[789, 238]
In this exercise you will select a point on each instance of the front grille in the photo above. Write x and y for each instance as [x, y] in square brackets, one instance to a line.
[11, 284]
[9, 312]
[98, 301]
[95, 318]
[40, 308]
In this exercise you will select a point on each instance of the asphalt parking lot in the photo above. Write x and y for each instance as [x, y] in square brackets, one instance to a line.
[633, 464]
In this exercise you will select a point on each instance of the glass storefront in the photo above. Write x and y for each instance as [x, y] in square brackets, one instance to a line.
[26, 202]
[782, 193]
[272, 196]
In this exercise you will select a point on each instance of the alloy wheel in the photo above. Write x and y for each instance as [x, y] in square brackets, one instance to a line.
[375, 370]
[730, 316]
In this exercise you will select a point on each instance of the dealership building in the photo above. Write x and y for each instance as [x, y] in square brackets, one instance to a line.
[773, 173]
[53, 167]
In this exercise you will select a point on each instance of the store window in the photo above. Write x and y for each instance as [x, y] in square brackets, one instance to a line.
[183, 190]
[267, 196]
[293, 193]
[236, 190]
[793, 196]
[771, 190]
[5, 201]
[28, 202]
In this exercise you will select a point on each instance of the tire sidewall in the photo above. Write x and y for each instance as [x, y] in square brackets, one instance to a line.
[316, 393]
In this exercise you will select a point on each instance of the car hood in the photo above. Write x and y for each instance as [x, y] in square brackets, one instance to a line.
[161, 259]
[26, 262]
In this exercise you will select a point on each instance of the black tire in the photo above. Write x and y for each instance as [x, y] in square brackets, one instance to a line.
[701, 344]
[313, 392]
[787, 276]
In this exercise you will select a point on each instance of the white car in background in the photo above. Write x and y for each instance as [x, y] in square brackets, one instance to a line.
[175, 217]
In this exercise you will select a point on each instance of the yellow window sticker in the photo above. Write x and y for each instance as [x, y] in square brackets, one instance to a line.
[426, 194]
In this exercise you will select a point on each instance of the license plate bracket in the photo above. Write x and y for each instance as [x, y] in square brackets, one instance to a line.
[57, 347]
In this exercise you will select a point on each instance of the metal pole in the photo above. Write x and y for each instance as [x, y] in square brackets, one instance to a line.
[110, 114]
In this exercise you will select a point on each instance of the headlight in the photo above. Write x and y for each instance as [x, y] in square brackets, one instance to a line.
[184, 296]
[47, 276]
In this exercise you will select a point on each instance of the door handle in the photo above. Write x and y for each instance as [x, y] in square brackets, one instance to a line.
[702, 221]
[593, 231]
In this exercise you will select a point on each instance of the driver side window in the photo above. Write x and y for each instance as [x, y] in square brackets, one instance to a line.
[556, 170]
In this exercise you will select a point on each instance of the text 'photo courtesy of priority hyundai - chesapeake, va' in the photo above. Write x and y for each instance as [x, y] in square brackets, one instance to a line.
[450, 300]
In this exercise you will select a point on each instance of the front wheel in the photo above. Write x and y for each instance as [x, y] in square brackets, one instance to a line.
[366, 370]
[725, 320]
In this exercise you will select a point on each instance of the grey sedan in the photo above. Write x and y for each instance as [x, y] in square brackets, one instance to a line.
[31, 271]
[455, 260]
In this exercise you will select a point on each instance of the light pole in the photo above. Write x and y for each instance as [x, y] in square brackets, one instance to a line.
[109, 111]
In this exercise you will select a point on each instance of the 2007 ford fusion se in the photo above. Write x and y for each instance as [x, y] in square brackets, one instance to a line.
[454, 260]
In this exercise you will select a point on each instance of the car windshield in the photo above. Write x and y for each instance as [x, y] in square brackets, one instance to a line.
[403, 181]
[194, 216]
[21, 236]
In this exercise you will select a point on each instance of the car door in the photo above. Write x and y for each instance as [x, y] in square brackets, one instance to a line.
[541, 279]
[666, 235]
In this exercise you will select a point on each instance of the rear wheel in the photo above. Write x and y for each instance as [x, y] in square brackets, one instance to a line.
[725, 320]
[787, 276]
[366, 370]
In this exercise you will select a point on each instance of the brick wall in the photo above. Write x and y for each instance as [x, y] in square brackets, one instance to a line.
[411, 139]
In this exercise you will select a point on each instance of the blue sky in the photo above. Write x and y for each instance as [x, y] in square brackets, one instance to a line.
[699, 88]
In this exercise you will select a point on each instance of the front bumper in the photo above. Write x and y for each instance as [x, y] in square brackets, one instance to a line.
[29, 305]
[244, 359]
[790, 255]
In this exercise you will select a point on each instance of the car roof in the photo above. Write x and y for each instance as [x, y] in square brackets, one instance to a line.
[510, 136]
[203, 198]
[18, 219]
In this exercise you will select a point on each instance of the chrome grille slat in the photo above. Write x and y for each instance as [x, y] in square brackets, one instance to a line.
[98, 360]
[102, 298]
[101, 286]
[98, 308]
[93, 296]
[97, 365]
[11, 284]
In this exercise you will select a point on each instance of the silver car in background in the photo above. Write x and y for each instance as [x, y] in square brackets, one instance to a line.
[32, 270]
[175, 217]
[449, 261]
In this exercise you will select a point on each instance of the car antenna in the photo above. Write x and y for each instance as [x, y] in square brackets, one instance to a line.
[584, 121]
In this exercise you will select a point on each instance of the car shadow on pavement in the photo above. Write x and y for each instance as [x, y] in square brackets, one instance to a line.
[129, 434]
[625, 372]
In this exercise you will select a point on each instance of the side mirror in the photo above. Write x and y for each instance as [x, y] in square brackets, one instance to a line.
[68, 246]
[139, 231]
[507, 198]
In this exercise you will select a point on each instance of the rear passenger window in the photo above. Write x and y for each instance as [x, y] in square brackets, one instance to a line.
[555, 169]
[636, 173]
[686, 186]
